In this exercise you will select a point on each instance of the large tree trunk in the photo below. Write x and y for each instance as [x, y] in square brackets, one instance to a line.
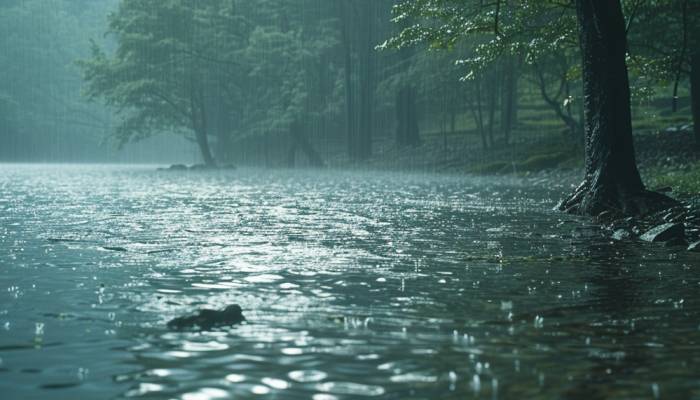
[198, 118]
[203, 143]
[695, 94]
[201, 134]
[407, 133]
[612, 182]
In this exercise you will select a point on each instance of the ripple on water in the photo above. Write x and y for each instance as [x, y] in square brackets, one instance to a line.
[263, 278]
[203, 346]
[350, 388]
[306, 376]
[354, 285]
[207, 394]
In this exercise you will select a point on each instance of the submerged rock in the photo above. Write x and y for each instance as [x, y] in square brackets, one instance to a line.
[621, 234]
[664, 233]
[208, 319]
[694, 247]
[178, 167]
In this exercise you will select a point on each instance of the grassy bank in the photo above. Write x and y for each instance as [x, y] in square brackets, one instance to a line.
[683, 179]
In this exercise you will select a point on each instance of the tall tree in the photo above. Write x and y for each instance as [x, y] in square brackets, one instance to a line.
[612, 181]
[157, 78]
[695, 93]
[664, 42]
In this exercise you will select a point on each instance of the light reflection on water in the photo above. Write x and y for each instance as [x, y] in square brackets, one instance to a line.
[354, 285]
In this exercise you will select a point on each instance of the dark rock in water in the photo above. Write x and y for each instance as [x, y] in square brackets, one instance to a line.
[202, 167]
[606, 216]
[621, 234]
[664, 233]
[114, 248]
[694, 247]
[178, 167]
[228, 166]
[208, 319]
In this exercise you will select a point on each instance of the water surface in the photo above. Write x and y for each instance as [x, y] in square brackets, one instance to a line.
[354, 285]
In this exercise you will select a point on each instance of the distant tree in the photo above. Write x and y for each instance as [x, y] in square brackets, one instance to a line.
[289, 86]
[664, 41]
[612, 181]
[360, 22]
[158, 78]
[553, 71]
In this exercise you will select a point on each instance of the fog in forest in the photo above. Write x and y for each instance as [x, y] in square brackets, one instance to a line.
[304, 83]
[340, 199]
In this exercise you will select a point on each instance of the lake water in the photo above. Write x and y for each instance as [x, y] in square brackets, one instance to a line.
[354, 285]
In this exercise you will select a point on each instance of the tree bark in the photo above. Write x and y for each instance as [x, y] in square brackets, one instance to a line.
[199, 125]
[203, 143]
[695, 94]
[612, 181]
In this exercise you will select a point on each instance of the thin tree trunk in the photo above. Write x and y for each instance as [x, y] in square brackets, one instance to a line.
[563, 113]
[479, 116]
[350, 113]
[612, 181]
[509, 98]
[492, 101]
[695, 94]
[301, 141]
[407, 132]
[682, 55]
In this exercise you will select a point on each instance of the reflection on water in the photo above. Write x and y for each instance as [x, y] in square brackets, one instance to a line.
[354, 285]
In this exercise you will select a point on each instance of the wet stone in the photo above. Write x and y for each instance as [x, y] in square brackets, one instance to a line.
[621, 234]
[664, 233]
[694, 247]
[207, 319]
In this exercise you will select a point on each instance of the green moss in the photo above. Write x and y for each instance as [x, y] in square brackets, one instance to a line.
[684, 182]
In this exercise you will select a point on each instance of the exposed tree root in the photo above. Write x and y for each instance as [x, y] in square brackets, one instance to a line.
[592, 200]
